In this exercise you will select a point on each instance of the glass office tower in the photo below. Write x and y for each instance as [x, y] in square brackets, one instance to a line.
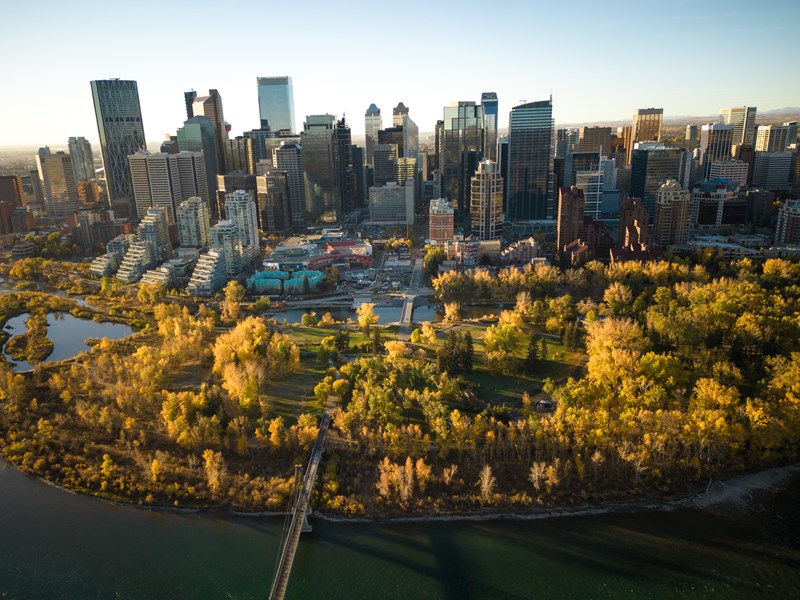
[530, 140]
[276, 103]
[119, 125]
[489, 103]
[462, 150]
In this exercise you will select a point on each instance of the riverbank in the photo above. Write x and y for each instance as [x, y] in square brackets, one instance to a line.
[720, 496]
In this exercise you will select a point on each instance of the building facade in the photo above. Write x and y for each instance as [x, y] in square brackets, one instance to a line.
[486, 201]
[121, 132]
[318, 141]
[672, 215]
[530, 155]
[276, 103]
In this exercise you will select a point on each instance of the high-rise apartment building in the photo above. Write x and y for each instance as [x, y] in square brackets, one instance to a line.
[318, 141]
[462, 149]
[743, 119]
[231, 182]
[194, 223]
[486, 201]
[240, 209]
[210, 105]
[289, 158]
[119, 125]
[646, 127]
[276, 103]
[672, 214]
[530, 154]
[372, 125]
[80, 151]
[570, 223]
[153, 229]
[489, 103]
[57, 179]
[165, 180]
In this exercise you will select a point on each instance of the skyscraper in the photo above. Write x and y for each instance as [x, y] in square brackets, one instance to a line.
[462, 150]
[489, 103]
[345, 173]
[323, 203]
[570, 222]
[530, 139]
[398, 112]
[743, 119]
[289, 158]
[772, 138]
[486, 201]
[165, 180]
[58, 183]
[276, 103]
[188, 98]
[646, 127]
[82, 158]
[594, 139]
[372, 125]
[240, 209]
[210, 106]
[272, 197]
[715, 145]
[119, 125]
[653, 166]
[197, 135]
[385, 159]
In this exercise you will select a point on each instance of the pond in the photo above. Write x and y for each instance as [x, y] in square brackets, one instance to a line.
[68, 334]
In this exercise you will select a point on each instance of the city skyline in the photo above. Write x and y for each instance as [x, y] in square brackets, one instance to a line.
[529, 69]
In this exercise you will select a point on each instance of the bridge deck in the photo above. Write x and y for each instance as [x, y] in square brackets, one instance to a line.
[278, 590]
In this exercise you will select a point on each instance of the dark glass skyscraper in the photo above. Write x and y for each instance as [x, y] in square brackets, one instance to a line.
[462, 150]
[119, 125]
[345, 172]
[319, 169]
[276, 103]
[530, 139]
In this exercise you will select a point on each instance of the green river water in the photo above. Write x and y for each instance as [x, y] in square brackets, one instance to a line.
[54, 544]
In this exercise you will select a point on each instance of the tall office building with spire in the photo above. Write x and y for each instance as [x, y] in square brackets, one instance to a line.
[119, 125]
[276, 103]
[530, 153]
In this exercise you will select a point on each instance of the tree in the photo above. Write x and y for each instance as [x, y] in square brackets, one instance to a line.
[452, 312]
[532, 359]
[366, 316]
[486, 483]
[234, 295]
[619, 298]
[214, 467]
[308, 319]
[428, 334]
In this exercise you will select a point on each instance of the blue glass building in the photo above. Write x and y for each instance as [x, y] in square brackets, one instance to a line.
[276, 103]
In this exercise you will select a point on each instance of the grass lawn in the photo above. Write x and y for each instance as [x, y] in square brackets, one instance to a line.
[293, 394]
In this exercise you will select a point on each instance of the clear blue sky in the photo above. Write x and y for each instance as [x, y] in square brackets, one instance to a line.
[601, 60]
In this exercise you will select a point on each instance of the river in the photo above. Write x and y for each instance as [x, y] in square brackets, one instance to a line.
[54, 544]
